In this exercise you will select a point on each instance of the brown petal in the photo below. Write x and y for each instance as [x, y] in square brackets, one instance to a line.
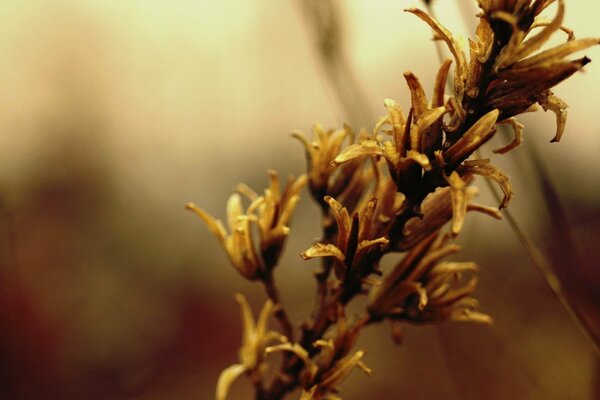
[417, 94]
[494, 173]
[226, 379]
[535, 43]
[459, 202]
[558, 52]
[453, 46]
[397, 121]
[365, 147]
[420, 130]
[475, 137]
[518, 130]
[559, 108]
[440, 84]
[323, 250]
[213, 224]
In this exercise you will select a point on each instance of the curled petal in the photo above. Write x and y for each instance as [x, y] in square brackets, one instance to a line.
[274, 186]
[429, 117]
[558, 52]
[468, 315]
[417, 93]
[300, 352]
[288, 210]
[475, 137]
[494, 173]
[263, 319]
[440, 84]
[455, 294]
[213, 224]
[342, 218]
[430, 259]
[309, 147]
[491, 211]
[453, 46]
[247, 191]
[342, 369]
[365, 218]
[248, 324]
[365, 147]
[323, 250]
[234, 211]
[535, 43]
[442, 271]
[437, 210]
[420, 130]
[365, 245]
[226, 378]
[518, 130]
[539, 23]
[559, 108]
[398, 121]
[420, 159]
[324, 344]
[459, 202]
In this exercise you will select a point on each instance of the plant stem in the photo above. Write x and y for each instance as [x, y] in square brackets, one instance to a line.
[280, 313]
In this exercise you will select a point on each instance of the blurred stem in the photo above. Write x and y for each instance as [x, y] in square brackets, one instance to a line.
[323, 21]
[545, 269]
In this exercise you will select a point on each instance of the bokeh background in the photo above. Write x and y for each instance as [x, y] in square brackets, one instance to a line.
[114, 114]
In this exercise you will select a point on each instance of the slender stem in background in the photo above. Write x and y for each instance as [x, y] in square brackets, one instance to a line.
[545, 269]
[323, 22]
[540, 261]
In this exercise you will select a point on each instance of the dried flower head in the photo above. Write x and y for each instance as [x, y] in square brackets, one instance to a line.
[271, 213]
[506, 71]
[392, 190]
[421, 288]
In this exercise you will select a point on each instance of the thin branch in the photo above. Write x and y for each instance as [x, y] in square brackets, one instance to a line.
[544, 268]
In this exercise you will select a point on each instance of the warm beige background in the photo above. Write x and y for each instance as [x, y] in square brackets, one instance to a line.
[116, 113]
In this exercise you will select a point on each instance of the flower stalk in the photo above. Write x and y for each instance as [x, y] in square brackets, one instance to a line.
[403, 187]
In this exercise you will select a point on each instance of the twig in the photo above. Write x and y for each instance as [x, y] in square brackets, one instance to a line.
[544, 268]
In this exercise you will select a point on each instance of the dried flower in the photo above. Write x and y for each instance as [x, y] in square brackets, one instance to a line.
[504, 72]
[323, 176]
[393, 190]
[238, 244]
[356, 237]
[326, 388]
[272, 214]
[422, 289]
[255, 339]
[440, 207]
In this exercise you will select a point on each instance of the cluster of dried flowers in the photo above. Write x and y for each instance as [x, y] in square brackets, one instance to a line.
[393, 190]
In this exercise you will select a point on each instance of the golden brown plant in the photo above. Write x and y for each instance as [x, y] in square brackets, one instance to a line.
[394, 190]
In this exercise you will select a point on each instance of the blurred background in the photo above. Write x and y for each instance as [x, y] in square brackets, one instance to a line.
[115, 114]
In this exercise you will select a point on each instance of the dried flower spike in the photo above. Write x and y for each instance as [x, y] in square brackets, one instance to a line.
[394, 189]
[272, 213]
